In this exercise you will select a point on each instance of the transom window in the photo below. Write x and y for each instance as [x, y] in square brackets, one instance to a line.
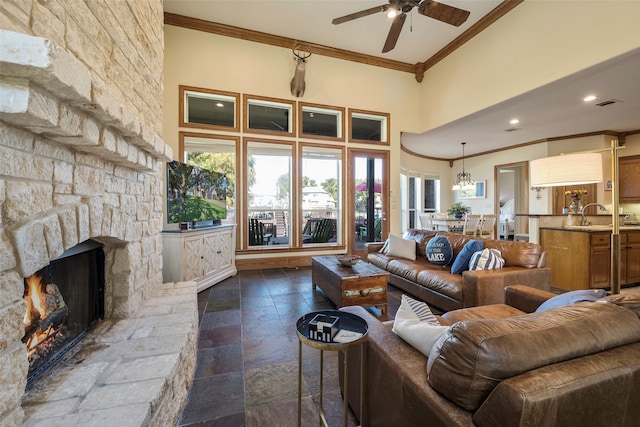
[268, 115]
[321, 122]
[369, 126]
[209, 109]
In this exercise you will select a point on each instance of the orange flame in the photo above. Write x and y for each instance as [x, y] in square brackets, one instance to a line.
[34, 298]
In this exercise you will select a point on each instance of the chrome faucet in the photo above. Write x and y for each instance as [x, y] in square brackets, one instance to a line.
[583, 221]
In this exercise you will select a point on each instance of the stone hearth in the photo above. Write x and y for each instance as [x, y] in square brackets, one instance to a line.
[126, 372]
[81, 157]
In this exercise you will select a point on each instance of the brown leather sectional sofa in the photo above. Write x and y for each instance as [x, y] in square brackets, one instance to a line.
[577, 365]
[436, 285]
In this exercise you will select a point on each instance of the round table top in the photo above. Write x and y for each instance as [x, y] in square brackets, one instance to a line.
[348, 322]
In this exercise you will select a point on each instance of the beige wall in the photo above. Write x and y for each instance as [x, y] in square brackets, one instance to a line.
[538, 42]
[525, 49]
[210, 61]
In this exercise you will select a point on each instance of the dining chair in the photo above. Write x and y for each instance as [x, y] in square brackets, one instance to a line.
[487, 229]
[426, 221]
[471, 225]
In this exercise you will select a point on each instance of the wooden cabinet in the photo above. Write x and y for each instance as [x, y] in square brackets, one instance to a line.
[629, 177]
[582, 260]
[599, 260]
[205, 256]
[630, 257]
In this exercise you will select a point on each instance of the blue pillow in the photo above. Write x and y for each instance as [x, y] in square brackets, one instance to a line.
[572, 297]
[439, 251]
[462, 260]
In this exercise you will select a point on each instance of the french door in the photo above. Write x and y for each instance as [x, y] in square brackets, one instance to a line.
[368, 198]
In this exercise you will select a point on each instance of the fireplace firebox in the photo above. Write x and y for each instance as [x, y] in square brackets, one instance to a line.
[64, 300]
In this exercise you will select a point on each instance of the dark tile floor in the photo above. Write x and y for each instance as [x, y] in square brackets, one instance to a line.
[247, 366]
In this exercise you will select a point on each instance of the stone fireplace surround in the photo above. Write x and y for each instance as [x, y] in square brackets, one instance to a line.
[76, 165]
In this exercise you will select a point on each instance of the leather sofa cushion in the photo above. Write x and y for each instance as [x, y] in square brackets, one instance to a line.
[379, 259]
[441, 281]
[493, 311]
[602, 388]
[475, 355]
[516, 254]
[629, 300]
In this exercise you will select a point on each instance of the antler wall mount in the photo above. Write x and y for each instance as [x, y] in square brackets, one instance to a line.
[301, 51]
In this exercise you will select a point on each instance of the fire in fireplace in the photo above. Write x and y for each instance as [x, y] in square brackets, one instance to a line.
[64, 300]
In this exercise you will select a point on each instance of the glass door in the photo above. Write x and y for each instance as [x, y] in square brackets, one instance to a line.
[368, 200]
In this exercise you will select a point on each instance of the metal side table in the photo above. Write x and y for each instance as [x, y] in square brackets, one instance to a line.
[331, 330]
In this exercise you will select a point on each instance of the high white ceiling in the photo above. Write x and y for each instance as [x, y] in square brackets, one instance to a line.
[554, 110]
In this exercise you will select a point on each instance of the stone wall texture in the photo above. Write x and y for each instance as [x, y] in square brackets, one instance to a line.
[81, 154]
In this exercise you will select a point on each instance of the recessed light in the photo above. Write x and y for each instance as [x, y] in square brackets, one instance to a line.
[514, 121]
[589, 98]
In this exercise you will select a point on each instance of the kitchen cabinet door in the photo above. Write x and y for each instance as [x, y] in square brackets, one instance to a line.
[629, 177]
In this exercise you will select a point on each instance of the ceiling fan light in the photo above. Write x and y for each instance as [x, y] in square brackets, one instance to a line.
[392, 13]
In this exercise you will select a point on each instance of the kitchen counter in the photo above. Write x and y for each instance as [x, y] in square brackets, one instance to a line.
[580, 256]
[592, 228]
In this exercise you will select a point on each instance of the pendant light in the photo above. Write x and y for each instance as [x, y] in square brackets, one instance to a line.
[463, 180]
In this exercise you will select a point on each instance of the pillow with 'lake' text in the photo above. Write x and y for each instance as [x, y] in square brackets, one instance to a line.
[439, 251]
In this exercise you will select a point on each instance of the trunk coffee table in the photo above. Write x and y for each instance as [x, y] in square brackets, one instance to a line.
[361, 284]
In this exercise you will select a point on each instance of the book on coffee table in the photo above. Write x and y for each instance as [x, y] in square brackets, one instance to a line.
[345, 335]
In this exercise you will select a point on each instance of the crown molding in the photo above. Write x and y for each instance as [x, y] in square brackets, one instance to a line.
[620, 135]
[346, 55]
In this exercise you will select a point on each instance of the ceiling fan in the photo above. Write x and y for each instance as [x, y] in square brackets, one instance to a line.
[398, 9]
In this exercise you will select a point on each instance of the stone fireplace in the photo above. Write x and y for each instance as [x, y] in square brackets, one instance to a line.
[64, 301]
[80, 161]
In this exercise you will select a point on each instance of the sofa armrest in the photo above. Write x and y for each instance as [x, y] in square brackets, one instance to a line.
[395, 381]
[484, 287]
[372, 247]
[525, 298]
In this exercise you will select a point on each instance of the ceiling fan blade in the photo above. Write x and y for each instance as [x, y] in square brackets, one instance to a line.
[442, 12]
[356, 15]
[394, 32]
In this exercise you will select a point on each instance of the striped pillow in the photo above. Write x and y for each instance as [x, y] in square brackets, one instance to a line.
[486, 259]
[415, 324]
[421, 310]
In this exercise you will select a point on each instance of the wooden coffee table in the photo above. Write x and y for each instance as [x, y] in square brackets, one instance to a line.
[361, 284]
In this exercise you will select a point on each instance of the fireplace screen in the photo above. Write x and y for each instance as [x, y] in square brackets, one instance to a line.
[64, 300]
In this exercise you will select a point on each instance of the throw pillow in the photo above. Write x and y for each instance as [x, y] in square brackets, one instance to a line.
[461, 262]
[572, 297]
[486, 259]
[403, 248]
[439, 251]
[415, 324]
